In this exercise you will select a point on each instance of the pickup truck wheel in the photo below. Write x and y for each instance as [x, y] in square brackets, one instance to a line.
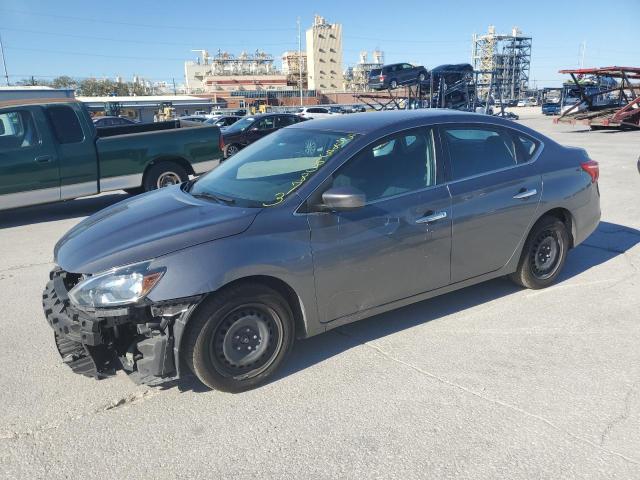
[239, 337]
[231, 150]
[164, 174]
[543, 255]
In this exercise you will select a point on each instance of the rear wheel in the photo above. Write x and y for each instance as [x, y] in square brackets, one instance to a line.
[239, 337]
[231, 150]
[421, 77]
[164, 174]
[543, 255]
[393, 84]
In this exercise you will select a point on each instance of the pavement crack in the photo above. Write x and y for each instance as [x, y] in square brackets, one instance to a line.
[130, 399]
[626, 411]
[485, 398]
[118, 403]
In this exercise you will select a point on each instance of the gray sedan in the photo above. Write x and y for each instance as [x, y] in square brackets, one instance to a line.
[315, 226]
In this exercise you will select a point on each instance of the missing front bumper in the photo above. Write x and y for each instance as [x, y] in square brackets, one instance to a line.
[138, 340]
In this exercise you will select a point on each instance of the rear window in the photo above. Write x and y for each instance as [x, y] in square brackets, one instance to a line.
[65, 124]
[375, 72]
[17, 130]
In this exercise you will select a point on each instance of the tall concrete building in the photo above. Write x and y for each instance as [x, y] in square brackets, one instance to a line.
[324, 56]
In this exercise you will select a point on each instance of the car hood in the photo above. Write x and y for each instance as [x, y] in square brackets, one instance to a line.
[146, 227]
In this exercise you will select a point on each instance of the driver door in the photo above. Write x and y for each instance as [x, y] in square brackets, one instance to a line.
[397, 245]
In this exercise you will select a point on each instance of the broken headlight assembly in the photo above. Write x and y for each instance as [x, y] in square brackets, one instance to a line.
[117, 287]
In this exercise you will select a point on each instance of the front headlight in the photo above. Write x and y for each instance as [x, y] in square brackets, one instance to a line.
[120, 286]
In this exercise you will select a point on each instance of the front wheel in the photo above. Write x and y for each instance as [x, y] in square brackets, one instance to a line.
[239, 337]
[543, 255]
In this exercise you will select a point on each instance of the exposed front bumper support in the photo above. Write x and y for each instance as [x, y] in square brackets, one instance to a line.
[139, 340]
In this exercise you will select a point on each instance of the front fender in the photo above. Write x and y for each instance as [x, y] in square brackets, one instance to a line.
[284, 255]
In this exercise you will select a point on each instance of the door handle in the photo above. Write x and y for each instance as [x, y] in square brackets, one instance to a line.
[44, 159]
[524, 194]
[432, 217]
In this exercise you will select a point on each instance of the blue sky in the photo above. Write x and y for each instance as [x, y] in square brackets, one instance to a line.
[153, 38]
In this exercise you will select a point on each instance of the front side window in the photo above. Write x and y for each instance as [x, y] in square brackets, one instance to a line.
[267, 171]
[474, 151]
[65, 124]
[17, 130]
[399, 164]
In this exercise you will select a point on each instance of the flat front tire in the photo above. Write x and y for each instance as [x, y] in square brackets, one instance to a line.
[543, 255]
[238, 337]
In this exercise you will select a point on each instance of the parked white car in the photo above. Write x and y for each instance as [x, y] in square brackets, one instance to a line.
[314, 112]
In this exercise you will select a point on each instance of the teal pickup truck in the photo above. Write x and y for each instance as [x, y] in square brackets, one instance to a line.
[51, 151]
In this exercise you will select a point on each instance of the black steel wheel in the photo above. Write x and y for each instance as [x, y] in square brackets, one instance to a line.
[246, 341]
[543, 255]
[238, 337]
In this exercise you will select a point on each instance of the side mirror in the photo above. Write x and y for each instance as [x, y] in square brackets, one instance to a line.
[254, 129]
[343, 198]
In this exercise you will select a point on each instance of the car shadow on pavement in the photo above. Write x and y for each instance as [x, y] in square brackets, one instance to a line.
[606, 243]
[80, 207]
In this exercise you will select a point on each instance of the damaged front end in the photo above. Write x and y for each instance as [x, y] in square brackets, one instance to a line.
[141, 339]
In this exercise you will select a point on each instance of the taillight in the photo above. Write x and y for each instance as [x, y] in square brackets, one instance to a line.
[382, 78]
[221, 143]
[592, 168]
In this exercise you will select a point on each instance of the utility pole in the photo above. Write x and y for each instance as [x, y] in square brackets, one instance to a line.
[174, 85]
[300, 60]
[4, 61]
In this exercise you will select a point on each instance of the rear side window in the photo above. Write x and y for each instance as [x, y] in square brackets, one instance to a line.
[525, 147]
[286, 120]
[474, 151]
[17, 130]
[65, 124]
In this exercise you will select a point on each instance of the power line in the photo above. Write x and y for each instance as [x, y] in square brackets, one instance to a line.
[131, 24]
[109, 39]
[87, 54]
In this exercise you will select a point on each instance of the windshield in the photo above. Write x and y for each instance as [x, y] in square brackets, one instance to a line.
[267, 171]
[240, 125]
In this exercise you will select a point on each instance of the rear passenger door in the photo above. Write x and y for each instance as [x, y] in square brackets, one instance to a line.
[28, 163]
[495, 191]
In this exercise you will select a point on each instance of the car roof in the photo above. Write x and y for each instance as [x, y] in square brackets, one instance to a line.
[367, 122]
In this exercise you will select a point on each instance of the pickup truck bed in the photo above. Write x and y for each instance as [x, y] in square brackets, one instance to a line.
[51, 151]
